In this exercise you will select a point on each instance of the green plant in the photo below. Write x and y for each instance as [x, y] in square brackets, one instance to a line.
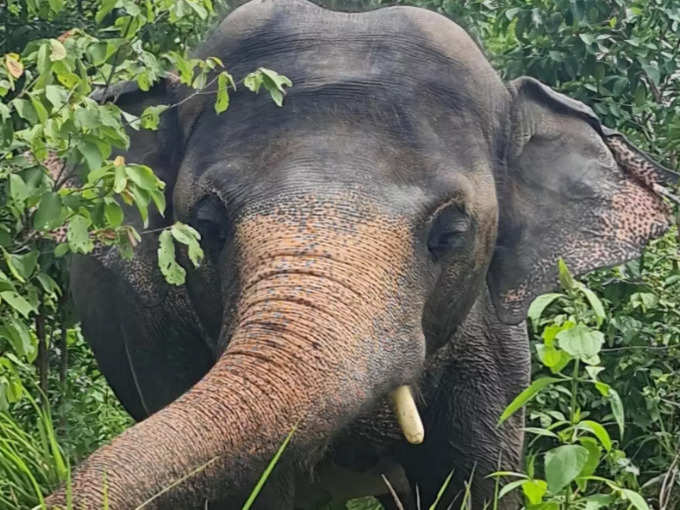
[579, 453]
[31, 461]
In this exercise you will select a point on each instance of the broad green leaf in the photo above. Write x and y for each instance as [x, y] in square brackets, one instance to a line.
[563, 464]
[78, 236]
[534, 389]
[538, 305]
[19, 336]
[22, 266]
[48, 216]
[599, 431]
[58, 50]
[534, 490]
[581, 342]
[143, 177]
[552, 358]
[635, 499]
[105, 7]
[617, 410]
[597, 501]
[91, 153]
[190, 237]
[18, 189]
[603, 388]
[594, 454]
[25, 110]
[17, 302]
[174, 273]
[48, 284]
[56, 95]
[113, 213]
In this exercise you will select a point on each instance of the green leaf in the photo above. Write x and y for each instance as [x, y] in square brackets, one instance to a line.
[105, 7]
[90, 151]
[566, 279]
[617, 409]
[275, 83]
[119, 179]
[113, 213]
[58, 50]
[61, 250]
[509, 487]
[78, 236]
[174, 273]
[534, 490]
[22, 266]
[534, 389]
[48, 216]
[253, 81]
[25, 110]
[595, 303]
[552, 358]
[603, 388]
[56, 95]
[563, 464]
[594, 454]
[39, 108]
[144, 177]
[635, 499]
[20, 338]
[17, 188]
[599, 431]
[48, 284]
[581, 342]
[538, 305]
[17, 302]
[151, 116]
[222, 102]
[190, 237]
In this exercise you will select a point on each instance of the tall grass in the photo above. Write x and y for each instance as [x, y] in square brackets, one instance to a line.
[31, 461]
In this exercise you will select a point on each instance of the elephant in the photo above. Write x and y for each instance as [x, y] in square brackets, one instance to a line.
[371, 250]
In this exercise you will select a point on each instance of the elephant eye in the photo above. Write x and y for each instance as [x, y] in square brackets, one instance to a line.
[448, 232]
[210, 219]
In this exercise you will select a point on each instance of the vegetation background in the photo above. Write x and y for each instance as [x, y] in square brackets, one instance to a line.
[62, 190]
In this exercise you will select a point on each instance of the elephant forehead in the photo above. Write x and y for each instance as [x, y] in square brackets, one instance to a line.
[396, 52]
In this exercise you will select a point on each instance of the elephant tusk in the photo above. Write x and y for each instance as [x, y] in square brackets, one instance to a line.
[407, 414]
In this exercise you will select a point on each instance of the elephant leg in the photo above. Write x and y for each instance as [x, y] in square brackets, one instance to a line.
[478, 374]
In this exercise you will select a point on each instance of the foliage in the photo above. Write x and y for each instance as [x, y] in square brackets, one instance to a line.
[578, 451]
[62, 189]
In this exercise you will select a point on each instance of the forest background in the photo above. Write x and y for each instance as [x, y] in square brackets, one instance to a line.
[612, 424]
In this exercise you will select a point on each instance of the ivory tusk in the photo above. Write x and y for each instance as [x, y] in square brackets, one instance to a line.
[407, 414]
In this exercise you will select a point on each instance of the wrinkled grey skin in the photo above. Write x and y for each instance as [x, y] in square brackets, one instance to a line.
[399, 130]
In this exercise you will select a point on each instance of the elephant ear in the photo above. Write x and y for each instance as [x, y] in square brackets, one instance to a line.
[574, 189]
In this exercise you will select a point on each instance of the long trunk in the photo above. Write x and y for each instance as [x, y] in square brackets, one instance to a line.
[317, 338]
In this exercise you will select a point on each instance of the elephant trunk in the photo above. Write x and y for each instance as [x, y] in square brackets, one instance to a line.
[319, 335]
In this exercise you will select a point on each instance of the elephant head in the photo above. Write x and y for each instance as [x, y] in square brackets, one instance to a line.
[347, 235]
